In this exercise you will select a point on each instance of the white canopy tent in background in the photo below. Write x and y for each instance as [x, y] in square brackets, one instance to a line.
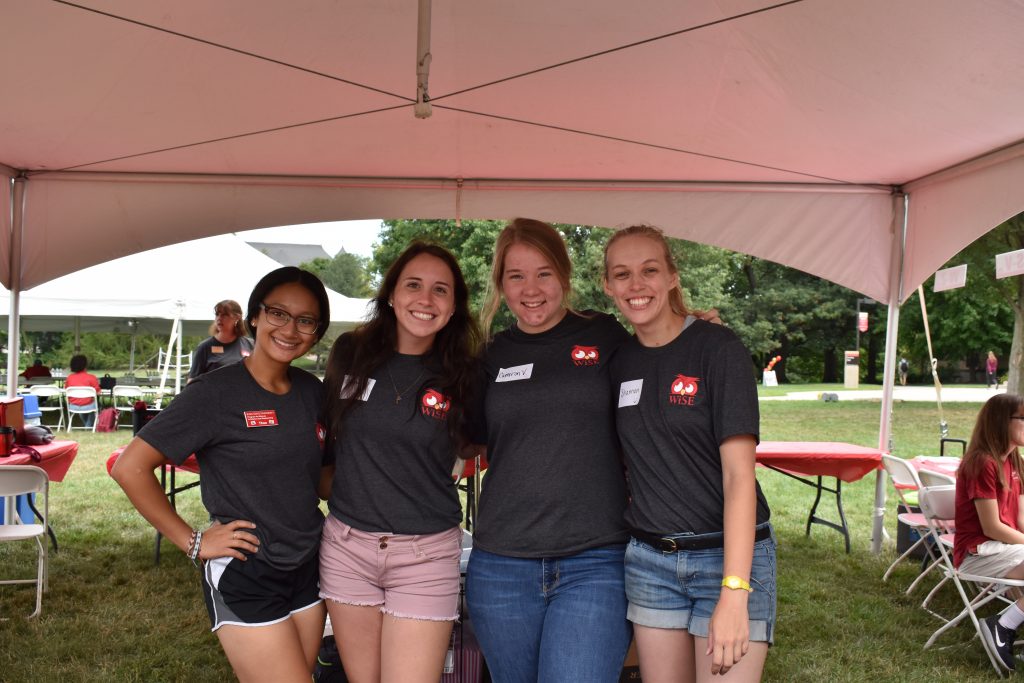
[145, 292]
[865, 142]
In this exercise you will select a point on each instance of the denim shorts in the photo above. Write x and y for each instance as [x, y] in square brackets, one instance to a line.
[680, 590]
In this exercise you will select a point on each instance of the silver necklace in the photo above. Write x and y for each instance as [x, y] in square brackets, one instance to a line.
[400, 394]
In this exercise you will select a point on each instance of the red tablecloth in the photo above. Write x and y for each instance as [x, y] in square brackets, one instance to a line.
[190, 464]
[844, 461]
[57, 458]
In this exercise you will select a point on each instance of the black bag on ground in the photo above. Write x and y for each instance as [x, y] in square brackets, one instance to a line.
[328, 663]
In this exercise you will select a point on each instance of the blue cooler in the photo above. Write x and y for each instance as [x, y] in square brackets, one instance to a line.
[33, 415]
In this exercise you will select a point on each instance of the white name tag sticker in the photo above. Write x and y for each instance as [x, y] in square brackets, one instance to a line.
[629, 392]
[514, 374]
[348, 386]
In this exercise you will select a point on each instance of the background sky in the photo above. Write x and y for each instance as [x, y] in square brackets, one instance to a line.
[355, 237]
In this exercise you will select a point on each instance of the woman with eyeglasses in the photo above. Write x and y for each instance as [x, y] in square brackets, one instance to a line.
[227, 342]
[397, 392]
[253, 427]
[989, 515]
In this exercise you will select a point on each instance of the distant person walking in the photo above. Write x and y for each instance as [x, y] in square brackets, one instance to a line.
[904, 371]
[991, 366]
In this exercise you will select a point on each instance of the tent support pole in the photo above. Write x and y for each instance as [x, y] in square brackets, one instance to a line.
[13, 321]
[422, 108]
[889, 375]
[177, 365]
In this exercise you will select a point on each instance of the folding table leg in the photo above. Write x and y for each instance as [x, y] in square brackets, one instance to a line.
[842, 526]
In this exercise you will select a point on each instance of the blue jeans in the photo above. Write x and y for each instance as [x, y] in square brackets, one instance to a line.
[550, 620]
[87, 418]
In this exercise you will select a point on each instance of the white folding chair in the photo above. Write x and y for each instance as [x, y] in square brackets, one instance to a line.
[50, 393]
[904, 479]
[17, 480]
[82, 411]
[124, 398]
[938, 503]
[929, 478]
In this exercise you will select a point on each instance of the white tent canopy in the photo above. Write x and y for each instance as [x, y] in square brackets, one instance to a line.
[865, 142]
[783, 130]
[142, 292]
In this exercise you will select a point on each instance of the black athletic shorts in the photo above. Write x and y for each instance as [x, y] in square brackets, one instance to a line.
[253, 593]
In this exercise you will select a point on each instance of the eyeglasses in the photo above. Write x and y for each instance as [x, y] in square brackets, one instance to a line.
[279, 318]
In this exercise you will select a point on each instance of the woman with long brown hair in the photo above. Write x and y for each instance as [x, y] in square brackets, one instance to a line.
[989, 516]
[397, 389]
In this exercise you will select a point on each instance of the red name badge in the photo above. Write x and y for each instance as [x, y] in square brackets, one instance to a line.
[260, 418]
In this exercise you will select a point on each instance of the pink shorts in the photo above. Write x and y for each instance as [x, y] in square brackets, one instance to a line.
[412, 577]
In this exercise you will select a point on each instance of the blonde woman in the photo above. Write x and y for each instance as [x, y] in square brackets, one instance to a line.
[545, 579]
[700, 568]
[226, 344]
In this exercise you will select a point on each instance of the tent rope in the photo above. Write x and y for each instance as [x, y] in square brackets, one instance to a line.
[943, 425]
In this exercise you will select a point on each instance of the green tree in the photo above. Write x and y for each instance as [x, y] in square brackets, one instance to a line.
[782, 311]
[986, 314]
[345, 273]
[111, 351]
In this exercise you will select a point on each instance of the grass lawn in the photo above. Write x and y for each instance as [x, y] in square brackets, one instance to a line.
[111, 615]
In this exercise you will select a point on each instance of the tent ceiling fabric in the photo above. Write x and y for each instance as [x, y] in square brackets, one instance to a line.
[782, 130]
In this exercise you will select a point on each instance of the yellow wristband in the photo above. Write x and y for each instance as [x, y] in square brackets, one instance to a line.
[736, 583]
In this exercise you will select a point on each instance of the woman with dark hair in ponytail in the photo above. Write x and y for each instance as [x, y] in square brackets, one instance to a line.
[397, 389]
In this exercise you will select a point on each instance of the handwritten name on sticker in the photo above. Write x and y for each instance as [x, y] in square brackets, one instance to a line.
[348, 386]
[629, 392]
[260, 418]
[514, 374]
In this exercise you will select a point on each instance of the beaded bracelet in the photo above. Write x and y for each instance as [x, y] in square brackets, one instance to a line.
[194, 546]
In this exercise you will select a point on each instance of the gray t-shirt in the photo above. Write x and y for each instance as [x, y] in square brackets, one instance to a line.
[212, 354]
[555, 483]
[676, 404]
[394, 458]
[260, 455]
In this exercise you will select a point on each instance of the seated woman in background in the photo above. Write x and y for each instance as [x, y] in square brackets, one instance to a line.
[227, 343]
[40, 370]
[80, 378]
[989, 517]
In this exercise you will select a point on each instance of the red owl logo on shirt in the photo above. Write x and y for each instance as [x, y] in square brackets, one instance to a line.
[683, 390]
[435, 404]
[585, 355]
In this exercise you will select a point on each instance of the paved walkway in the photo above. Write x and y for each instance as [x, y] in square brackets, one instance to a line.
[950, 394]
